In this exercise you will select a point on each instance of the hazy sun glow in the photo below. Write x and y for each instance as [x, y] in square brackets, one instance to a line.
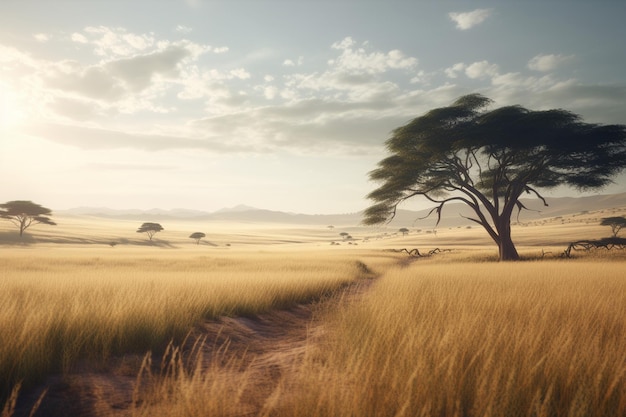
[284, 107]
[11, 115]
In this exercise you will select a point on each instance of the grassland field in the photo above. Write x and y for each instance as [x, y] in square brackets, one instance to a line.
[452, 334]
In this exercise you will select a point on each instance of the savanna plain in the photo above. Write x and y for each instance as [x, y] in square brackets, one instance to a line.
[274, 320]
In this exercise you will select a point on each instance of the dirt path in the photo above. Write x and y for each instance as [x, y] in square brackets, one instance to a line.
[266, 347]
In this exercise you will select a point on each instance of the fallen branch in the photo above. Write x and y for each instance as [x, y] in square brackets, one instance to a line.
[607, 243]
[417, 254]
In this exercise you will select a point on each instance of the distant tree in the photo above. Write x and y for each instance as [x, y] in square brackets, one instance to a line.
[487, 158]
[331, 227]
[150, 229]
[404, 231]
[344, 235]
[197, 236]
[616, 223]
[24, 214]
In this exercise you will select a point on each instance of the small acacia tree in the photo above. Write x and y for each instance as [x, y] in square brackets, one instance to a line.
[197, 236]
[487, 159]
[24, 214]
[150, 229]
[616, 224]
[404, 231]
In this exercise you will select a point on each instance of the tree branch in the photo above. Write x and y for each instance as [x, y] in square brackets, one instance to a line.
[529, 190]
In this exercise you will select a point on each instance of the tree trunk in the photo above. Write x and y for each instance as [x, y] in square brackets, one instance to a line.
[507, 247]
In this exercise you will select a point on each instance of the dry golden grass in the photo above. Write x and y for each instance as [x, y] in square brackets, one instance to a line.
[447, 336]
[475, 339]
[454, 334]
[59, 306]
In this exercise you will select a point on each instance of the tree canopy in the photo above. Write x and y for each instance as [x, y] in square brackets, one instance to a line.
[487, 158]
[616, 224]
[150, 229]
[24, 214]
[197, 236]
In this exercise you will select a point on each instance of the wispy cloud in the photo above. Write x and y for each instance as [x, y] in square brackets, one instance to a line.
[183, 29]
[79, 38]
[549, 62]
[41, 37]
[467, 20]
[355, 58]
[455, 70]
[140, 91]
[481, 69]
[293, 63]
[475, 70]
[129, 167]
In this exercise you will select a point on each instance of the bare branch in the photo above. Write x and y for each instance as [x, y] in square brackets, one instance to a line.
[472, 219]
[440, 206]
[529, 190]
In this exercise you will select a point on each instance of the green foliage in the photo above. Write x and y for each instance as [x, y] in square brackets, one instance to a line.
[488, 158]
[24, 214]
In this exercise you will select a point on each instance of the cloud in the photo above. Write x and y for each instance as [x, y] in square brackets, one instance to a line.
[476, 70]
[91, 138]
[183, 29]
[116, 42]
[116, 167]
[314, 125]
[453, 71]
[156, 94]
[595, 103]
[481, 69]
[546, 63]
[137, 71]
[467, 20]
[292, 63]
[270, 92]
[360, 61]
[41, 37]
[79, 38]
[240, 73]
[76, 109]
[92, 82]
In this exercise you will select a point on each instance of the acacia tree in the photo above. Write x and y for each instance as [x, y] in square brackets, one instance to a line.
[404, 231]
[616, 224]
[24, 214]
[487, 159]
[197, 236]
[150, 229]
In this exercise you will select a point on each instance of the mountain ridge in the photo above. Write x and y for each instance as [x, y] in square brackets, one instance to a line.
[452, 214]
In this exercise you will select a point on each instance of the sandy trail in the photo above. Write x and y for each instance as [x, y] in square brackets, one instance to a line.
[267, 347]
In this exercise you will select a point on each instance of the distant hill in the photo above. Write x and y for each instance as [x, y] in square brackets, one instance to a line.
[452, 215]
[133, 214]
[237, 209]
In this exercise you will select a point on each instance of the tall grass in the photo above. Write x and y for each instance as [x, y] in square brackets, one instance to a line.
[468, 339]
[437, 337]
[59, 308]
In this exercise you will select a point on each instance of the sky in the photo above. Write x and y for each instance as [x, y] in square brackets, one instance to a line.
[282, 105]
